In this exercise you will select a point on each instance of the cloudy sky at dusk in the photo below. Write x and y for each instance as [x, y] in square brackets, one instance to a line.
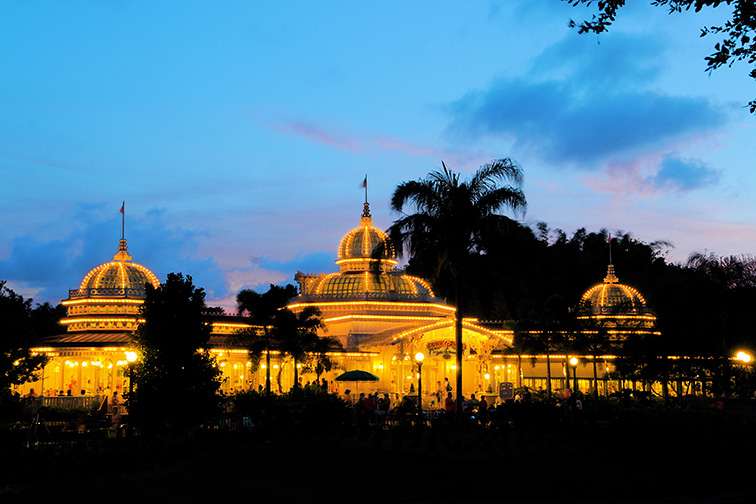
[238, 133]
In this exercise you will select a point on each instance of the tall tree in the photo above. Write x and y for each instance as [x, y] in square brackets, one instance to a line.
[738, 44]
[176, 380]
[451, 220]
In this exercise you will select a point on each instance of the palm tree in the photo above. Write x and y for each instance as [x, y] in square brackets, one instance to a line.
[275, 327]
[451, 221]
[263, 311]
[296, 334]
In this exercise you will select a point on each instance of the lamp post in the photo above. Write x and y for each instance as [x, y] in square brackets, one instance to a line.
[744, 359]
[131, 358]
[419, 357]
[574, 363]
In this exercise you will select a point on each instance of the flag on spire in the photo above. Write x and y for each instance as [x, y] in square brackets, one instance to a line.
[364, 183]
[123, 205]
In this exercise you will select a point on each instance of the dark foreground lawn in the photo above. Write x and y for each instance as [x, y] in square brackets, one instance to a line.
[638, 457]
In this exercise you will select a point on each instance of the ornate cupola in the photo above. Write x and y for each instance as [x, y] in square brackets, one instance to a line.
[615, 304]
[110, 295]
[366, 260]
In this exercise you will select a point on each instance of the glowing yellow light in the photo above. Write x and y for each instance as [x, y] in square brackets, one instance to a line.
[419, 356]
[131, 356]
[744, 357]
[487, 376]
[573, 361]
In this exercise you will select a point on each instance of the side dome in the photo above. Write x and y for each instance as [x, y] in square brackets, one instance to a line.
[110, 296]
[119, 277]
[615, 304]
[613, 298]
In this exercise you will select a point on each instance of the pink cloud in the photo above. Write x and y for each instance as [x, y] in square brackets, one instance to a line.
[342, 140]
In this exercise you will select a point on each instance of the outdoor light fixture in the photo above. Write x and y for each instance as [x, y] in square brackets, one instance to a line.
[419, 357]
[131, 358]
[574, 363]
[744, 357]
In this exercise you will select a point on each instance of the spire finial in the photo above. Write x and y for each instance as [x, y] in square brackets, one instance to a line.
[123, 252]
[610, 276]
[366, 217]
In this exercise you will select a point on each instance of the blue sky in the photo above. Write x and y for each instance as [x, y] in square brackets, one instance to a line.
[238, 133]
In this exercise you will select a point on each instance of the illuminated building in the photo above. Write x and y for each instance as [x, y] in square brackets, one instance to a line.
[618, 308]
[381, 316]
[380, 312]
[90, 358]
[608, 312]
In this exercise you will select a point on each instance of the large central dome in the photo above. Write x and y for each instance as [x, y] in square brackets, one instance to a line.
[366, 260]
[364, 240]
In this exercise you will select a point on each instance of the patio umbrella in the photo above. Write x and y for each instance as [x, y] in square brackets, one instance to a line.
[357, 375]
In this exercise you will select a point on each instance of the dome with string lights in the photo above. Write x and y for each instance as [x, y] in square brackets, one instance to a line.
[613, 301]
[119, 277]
[364, 240]
[366, 260]
[110, 295]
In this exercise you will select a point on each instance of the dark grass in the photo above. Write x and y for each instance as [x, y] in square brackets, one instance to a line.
[639, 455]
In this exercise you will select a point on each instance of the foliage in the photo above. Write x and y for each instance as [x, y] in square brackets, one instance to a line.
[450, 227]
[176, 383]
[21, 326]
[739, 32]
[275, 327]
[299, 410]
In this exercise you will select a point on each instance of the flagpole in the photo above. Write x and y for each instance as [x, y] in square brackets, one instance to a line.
[123, 221]
[610, 248]
[366, 200]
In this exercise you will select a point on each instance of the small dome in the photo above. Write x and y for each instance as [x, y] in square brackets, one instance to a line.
[612, 298]
[119, 277]
[361, 241]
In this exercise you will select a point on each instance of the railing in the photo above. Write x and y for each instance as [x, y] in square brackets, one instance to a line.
[111, 292]
[70, 402]
[369, 296]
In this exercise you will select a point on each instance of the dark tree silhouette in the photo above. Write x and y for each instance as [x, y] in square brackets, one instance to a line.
[17, 336]
[176, 382]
